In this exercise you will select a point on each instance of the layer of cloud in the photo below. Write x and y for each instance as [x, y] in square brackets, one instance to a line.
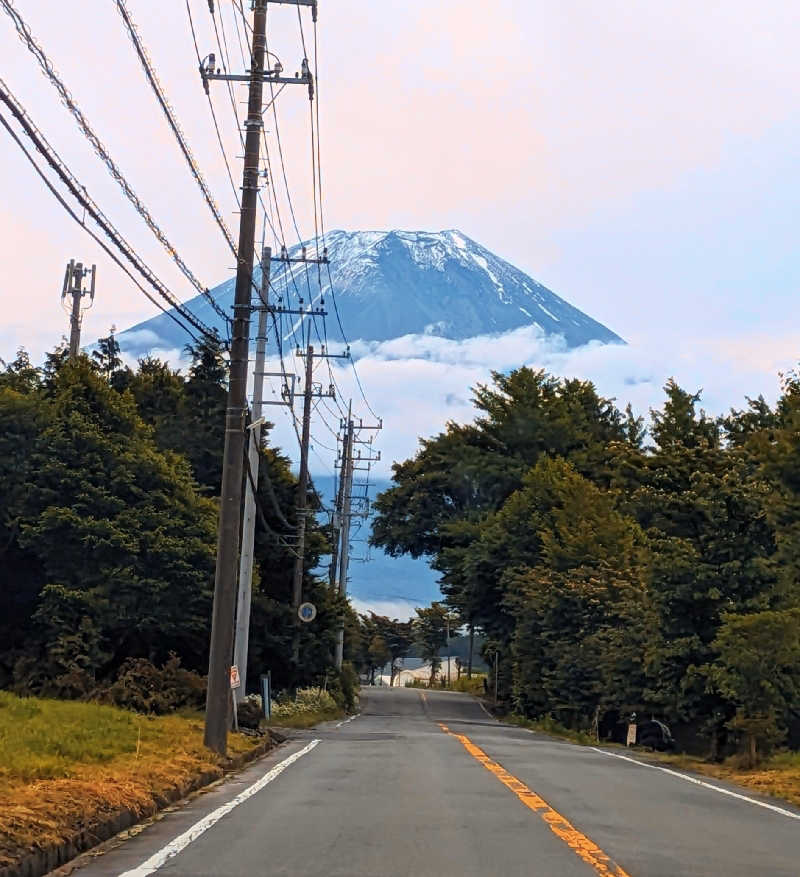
[399, 609]
[417, 383]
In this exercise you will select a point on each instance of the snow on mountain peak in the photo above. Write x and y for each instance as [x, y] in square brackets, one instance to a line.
[393, 283]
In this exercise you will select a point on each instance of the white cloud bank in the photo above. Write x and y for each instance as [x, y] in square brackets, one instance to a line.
[417, 383]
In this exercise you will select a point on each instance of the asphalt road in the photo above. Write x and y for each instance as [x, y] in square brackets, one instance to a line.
[428, 784]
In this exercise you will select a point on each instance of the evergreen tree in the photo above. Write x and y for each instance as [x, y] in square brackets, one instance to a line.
[430, 634]
[202, 413]
[758, 670]
[124, 543]
[106, 357]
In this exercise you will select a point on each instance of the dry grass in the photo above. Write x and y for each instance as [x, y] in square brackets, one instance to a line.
[307, 720]
[66, 765]
[778, 776]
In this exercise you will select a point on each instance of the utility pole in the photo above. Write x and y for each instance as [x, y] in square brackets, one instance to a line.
[346, 498]
[447, 623]
[348, 469]
[241, 640]
[337, 525]
[302, 496]
[218, 698]
[73, 287]
[309, 393]
[471, 646]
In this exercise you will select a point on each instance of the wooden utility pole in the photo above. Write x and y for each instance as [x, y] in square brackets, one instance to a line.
[337, 523]
[73, 288]
[241, 641]
[346, 494]
[471, 647]
[219, 692]
[302, 498]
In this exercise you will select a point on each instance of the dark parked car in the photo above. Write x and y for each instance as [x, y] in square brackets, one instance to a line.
[654, 735]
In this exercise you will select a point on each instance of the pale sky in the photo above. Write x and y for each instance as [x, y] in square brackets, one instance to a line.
[637, 158]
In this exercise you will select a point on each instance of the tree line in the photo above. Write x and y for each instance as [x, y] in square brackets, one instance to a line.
[109, 486]
[616, 566]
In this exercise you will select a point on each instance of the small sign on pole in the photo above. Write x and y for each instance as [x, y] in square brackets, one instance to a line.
[236, 682]
[307, 612]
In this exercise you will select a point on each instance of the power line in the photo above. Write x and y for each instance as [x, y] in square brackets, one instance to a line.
[211, 107]
[108, 251]
[169, 114]
[80, 193]
[331, 288]
[49, 71]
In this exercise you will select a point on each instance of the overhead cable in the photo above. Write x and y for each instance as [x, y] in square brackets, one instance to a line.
[169, 113]
[331, 288]
[80, 193]
[49, 71]
[102, 244]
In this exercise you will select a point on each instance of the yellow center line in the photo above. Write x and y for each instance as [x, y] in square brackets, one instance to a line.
[561, 827]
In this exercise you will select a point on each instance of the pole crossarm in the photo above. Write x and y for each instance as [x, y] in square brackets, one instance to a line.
[311, 3]
[267, 75]
[210, 73]
[368, 459]
[325, 355]
[302, 312]
[361, 425]
[323, 260]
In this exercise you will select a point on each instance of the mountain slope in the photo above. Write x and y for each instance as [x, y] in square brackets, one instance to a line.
[395, 283]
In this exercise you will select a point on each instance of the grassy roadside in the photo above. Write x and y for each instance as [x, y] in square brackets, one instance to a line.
[66, 765]
[309, 707]
[778, 776]
[307, 719]
[548, 726]
[473, 685]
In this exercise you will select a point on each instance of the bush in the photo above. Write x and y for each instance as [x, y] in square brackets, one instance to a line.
[250, 712]
[548, 725]
[145, 688]
[307, 701]
[470, 686]
[344, 687]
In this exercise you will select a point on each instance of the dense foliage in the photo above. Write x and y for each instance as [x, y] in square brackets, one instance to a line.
[109, 479]
[617, 569]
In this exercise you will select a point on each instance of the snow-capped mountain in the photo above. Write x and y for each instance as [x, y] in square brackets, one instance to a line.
[393, 283]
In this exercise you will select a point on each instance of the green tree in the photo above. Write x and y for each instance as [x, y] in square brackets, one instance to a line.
[106, 357]
[20, 374]
[23, 414]
[430, 634]
[159, 393]
[202, 413]
[445, 499]
[124, 543]
[398, 637]
[703, 504]
[758, 670]
[572, 603]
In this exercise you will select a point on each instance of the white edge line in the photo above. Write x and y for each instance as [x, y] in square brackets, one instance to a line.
[705, 785]
[350, 719]
[182, 841]
[480, 703]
